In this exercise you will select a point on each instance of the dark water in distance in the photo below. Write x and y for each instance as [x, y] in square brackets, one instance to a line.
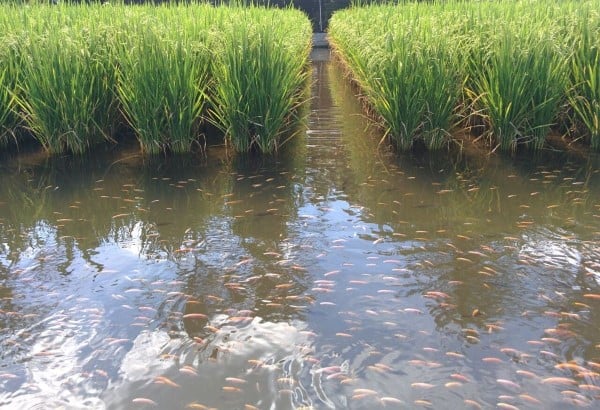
[338, 275]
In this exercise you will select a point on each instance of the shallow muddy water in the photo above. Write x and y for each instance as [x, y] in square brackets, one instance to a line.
[338, 275]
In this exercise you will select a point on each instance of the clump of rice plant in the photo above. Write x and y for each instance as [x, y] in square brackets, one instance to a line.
[9, 78]
[518, 89]
[584, 91]
[409, 77]
[66, 92]
[79, 70]
[260, 74]
[416, 97]
[12, 43]
[509, 65]
[163, 79]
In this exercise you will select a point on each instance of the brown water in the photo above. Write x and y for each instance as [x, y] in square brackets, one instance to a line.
[338, 275]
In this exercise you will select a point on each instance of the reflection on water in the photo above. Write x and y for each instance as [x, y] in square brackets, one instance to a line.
[337, 275]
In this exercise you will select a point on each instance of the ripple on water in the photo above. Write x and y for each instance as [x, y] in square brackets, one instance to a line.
[255, 363]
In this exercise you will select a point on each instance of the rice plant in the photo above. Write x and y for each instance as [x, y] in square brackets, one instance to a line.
[10, 72]
[584, 91]
[518, 89]
[66, 92]
[260, 76]
[510, 66]
[411, 82]
[79, 70]
[7, 121]
[162, 88]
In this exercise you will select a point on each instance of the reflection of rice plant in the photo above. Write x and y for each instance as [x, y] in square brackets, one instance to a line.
[24, 204]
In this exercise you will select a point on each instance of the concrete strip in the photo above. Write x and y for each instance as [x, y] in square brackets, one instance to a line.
[320, 40]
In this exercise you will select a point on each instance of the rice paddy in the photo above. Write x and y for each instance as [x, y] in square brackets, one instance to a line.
[73, 76]
[513, 72]
[336, 277]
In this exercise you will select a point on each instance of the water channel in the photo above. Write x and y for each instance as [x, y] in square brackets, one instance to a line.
[338, 275]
